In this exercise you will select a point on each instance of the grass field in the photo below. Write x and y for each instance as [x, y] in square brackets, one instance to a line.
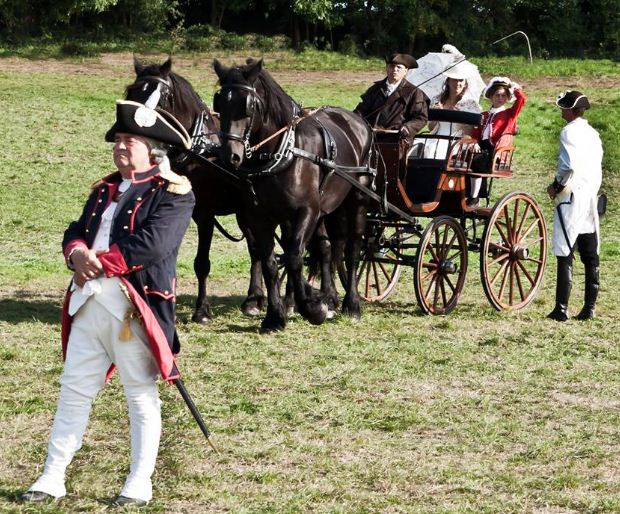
[476, 412]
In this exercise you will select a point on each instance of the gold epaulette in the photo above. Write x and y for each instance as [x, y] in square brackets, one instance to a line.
[177, 184]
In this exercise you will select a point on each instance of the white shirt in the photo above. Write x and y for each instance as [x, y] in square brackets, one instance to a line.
[390, 88]
[488, 128]
[101, 284]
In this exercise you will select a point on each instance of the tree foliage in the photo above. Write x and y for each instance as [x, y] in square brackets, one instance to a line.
[579, 28]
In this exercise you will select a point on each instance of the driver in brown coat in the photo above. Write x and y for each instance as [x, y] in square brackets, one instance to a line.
[394, 103]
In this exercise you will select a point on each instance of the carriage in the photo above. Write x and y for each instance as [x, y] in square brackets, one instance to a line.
[423, 220]
[418, 214]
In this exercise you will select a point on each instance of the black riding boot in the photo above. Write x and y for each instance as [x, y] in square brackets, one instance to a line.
[591, 293]
[562, 289]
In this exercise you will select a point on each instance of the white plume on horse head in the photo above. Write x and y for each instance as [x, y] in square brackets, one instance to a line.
[153, 100]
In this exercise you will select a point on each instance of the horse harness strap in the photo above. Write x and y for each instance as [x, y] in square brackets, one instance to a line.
[201, 144]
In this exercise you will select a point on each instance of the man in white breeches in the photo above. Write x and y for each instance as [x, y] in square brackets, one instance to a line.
[120, 308]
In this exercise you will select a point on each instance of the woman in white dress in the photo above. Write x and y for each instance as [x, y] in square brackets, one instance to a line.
[453, 96]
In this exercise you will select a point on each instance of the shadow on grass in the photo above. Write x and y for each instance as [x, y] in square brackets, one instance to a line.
[19, 310]
[11, 495]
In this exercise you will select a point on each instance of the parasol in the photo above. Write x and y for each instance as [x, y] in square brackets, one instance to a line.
[433, 69]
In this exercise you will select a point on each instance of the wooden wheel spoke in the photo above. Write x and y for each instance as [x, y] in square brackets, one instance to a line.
[511, 283]
[375, 272]
[523, 218]
[452, 257]
[432, 271]
[508, 225]
[430, 285]
[499, 271]
[500, 258]
[526, 233]
[449, 245]
[526, 272]
[442, 285]
[450, 284]
[519, 283]
[444, 246]
[437, 288]
[502, 235]
[515, 217]
[533, 242]
[386, 273]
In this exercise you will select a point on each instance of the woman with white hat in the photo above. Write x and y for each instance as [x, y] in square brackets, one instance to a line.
[453, 96]
[496, 122]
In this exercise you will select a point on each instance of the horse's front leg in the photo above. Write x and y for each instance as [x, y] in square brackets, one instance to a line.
[310, 302]
[275, 318]
[255, 300]
[202, 264]
[328, 288]
[351, 304]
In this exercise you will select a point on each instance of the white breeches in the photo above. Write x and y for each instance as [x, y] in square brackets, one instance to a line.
[93, 346]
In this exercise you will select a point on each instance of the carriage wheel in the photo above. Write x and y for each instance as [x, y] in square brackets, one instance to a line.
[514, 252]
[440, 266]
[380, 263]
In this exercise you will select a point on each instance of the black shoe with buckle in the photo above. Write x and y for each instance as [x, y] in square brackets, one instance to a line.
[125, 501]
[36, 497]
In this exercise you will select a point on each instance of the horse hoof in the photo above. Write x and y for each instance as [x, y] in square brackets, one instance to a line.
[270, 329]
[251, 312]
[201, 319]
[317, 313]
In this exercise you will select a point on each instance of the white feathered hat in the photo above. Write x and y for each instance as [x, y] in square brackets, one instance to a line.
[499, 81]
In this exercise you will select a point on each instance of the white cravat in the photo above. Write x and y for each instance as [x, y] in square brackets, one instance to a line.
[101, 242]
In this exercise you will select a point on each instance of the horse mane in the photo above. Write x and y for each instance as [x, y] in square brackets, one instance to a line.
[186, 103]
[279, 106]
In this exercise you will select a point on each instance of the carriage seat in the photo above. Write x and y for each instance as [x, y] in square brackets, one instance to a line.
[422, 178]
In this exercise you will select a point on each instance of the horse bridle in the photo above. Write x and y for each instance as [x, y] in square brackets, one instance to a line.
[253, 103]
[164, 86]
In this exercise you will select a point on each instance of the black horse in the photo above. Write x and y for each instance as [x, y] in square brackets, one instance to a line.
[215, 194]
[285, 154]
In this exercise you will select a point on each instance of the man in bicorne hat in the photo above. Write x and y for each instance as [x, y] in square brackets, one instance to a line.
[575, 191]
[120, 308]
[395, 103]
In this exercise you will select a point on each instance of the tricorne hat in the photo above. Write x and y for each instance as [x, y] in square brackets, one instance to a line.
[405, 59]
[463, 70]
[498, 81]
[572, 99]
[136, 118]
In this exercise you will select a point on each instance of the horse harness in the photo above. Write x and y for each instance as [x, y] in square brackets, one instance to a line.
[281, 158]
[201, 145]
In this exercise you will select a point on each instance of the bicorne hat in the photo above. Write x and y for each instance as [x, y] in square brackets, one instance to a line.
[136, 118]
[572, 99]
[405, 59]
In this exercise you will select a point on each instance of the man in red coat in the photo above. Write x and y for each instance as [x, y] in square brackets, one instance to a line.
[120, 307]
